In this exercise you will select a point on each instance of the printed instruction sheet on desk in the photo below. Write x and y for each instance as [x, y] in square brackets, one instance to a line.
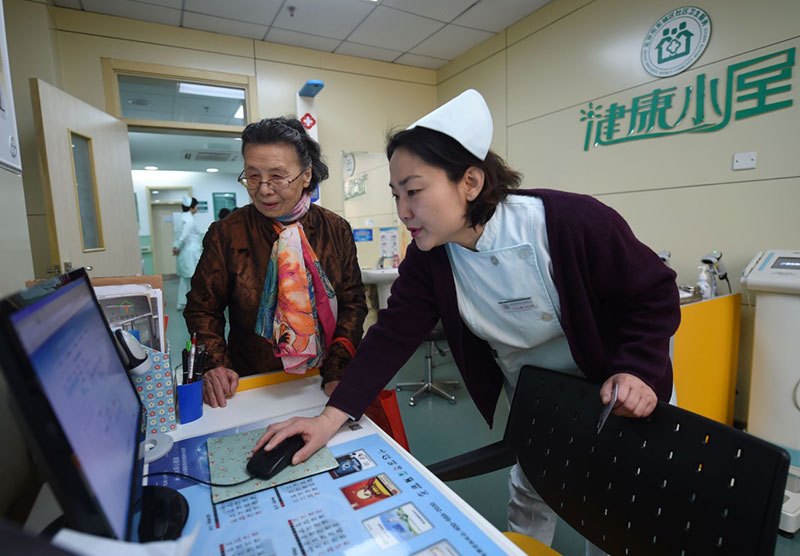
[375, 502]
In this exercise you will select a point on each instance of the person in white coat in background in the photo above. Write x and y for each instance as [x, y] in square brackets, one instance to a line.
[188, 246]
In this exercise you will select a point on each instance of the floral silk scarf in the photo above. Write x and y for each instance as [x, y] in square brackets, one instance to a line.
[298, 306]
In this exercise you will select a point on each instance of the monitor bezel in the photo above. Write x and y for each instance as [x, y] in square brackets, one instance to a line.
[53, 453]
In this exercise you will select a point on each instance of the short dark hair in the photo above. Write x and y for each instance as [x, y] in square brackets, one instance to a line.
[291, 132]
[223, 212]
[190, 207]
[442, 151]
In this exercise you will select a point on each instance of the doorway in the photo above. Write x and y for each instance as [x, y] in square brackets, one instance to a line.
[165, 206]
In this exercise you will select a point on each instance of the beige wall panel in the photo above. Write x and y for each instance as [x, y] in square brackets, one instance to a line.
[739, 219]
[82, 72]
[39, 245]
[32, 53]
[17, 265]
[595, 51]
[550, 149]
[354, 112]
[273, 52]
[488, 77]
[79, 22]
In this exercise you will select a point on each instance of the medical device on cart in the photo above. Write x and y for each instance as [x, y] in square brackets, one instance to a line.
[774, 408]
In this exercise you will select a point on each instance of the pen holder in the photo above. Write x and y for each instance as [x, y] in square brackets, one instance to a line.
[190, 401]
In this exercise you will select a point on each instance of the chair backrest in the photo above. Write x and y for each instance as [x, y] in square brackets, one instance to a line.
[673, 483]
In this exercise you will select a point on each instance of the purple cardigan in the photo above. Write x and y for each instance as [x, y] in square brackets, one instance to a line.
[619, 308]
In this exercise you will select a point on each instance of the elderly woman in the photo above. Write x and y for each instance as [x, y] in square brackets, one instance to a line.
[285, 269]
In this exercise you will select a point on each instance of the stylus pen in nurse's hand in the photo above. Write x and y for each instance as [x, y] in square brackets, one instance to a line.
[192, 355]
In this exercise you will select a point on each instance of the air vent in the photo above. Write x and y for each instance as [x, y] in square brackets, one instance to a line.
[211, 156]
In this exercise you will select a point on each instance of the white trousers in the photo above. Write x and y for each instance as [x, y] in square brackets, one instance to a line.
[184, 285]
[528, 514]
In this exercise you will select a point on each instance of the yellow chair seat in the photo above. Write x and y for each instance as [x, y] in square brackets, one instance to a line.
[529, 545]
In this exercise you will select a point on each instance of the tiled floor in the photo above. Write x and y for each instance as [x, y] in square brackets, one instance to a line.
[437, 430]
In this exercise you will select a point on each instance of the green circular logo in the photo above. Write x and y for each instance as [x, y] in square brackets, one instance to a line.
[676, 41]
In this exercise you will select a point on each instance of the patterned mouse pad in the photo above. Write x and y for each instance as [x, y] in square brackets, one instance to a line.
[227, 462]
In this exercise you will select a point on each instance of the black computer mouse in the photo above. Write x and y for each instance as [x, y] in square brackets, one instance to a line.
[265, 465]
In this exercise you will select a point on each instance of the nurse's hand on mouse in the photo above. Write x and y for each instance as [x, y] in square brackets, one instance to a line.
[316, 431]
[634, 399]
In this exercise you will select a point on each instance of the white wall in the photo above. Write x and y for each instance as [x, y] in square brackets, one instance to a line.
[203, 185]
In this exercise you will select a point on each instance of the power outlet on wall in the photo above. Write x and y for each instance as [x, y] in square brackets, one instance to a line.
[744, 161]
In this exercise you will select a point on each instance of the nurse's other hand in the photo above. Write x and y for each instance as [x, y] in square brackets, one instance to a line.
[330, 387]
[634, 397]
[219, 384]
[315, 431]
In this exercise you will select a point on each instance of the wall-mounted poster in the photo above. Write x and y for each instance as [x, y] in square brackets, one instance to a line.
[9, 143]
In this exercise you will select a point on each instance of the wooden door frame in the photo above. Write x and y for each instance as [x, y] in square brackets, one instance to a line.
[148, 188]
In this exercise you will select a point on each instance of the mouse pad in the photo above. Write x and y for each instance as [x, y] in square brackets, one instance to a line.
[227, 462]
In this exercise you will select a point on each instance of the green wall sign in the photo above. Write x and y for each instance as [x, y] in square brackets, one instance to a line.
[709, 104]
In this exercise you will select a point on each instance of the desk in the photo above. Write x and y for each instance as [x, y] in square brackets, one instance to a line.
[312, 516]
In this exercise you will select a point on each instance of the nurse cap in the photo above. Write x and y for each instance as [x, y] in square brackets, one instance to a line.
[187, 201]
[466, 119]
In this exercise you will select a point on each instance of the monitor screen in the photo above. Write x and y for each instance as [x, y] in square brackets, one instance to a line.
[788, 263]
[70, 350]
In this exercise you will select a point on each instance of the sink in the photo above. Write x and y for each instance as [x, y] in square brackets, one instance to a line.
[382, 278]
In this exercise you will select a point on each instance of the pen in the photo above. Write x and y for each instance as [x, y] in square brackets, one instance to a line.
[192, 355]
[185, 366]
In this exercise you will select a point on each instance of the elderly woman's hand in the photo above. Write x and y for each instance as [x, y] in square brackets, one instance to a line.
[634, 398]
[175, 251]
[219, 384]
[315, 431]
[330, 387]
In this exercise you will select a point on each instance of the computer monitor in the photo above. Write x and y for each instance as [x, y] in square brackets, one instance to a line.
[78, 406]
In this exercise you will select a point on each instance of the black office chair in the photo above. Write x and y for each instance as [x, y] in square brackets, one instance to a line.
[428, 384]
[673, 483]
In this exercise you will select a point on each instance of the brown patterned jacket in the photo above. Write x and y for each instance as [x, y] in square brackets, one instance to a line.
[230, 275]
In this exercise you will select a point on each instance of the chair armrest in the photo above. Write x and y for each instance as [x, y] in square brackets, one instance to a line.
[477, 462]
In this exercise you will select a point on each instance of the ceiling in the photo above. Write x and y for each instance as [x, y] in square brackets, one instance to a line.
[421, 33]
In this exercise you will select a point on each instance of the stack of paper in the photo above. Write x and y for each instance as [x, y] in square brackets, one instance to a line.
[137, 308]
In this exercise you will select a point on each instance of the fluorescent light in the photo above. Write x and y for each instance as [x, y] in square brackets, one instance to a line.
[212, 170]
[210, 91]
[151, 168]
[155, 192]
[240, 112]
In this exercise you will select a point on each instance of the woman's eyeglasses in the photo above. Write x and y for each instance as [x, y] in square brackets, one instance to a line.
[275, 184]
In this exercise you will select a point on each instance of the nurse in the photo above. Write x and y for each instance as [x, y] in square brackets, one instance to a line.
[539, 277]
[187, 247]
